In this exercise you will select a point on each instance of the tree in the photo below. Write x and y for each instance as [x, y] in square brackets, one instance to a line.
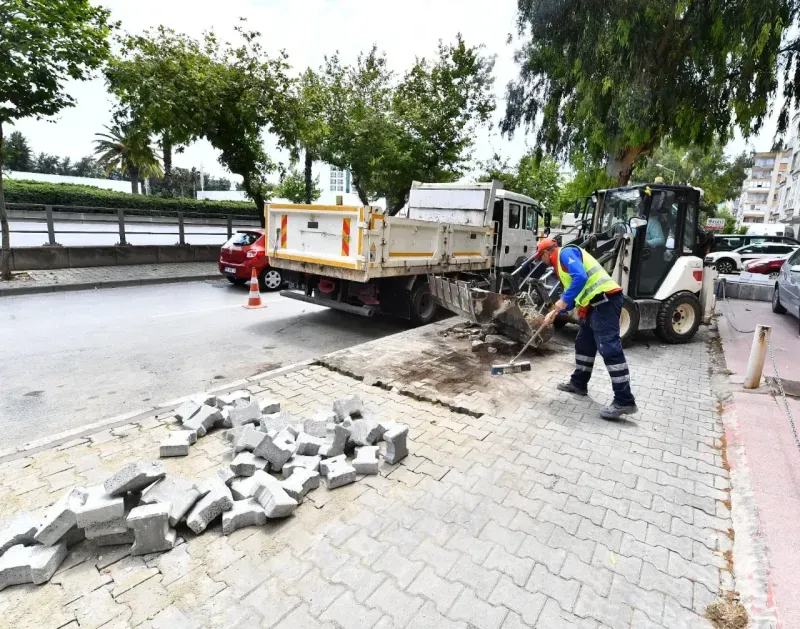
[127, 150]
[611, 79]
[390, 133]
[159, 78]
[247, 92]
[719, 176]
[293, 187]
[538, 178]
[312, 130]
[588, 175]
[217, 183]
[46, 164]
[17, 153]
[42, 45]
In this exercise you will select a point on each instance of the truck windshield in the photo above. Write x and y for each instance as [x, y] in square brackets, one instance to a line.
[619, 206]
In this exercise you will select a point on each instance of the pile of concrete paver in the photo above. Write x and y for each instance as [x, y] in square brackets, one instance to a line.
[277, 461]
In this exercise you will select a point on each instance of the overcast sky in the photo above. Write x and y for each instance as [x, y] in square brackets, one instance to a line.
[308, 30]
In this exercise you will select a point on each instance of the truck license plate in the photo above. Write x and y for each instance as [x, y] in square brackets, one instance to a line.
[230, 269]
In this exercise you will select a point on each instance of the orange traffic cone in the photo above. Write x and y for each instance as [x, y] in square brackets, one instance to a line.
[254, 301]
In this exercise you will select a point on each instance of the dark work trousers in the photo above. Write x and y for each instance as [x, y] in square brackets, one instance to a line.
[600, 332]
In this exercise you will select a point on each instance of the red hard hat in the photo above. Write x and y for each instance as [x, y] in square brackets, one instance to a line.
[547, 243]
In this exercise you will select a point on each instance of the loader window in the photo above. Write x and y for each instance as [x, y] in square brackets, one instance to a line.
[514, 212]
[618, 207]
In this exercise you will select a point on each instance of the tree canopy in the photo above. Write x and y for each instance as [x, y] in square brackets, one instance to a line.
[17, 153]
[612, 78]
[538, 178]
[127, 150]
[44, 44]
[293, 187]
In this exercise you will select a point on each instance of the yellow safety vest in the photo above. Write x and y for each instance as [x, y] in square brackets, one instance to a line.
[598, 281]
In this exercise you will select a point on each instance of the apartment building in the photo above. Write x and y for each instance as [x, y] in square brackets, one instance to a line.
[761, 191]
[788, 211]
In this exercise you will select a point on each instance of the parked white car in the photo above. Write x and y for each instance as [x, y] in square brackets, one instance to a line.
[733, 261]
[786, 297]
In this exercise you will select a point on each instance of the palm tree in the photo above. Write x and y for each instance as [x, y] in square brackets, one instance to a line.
[128, 151]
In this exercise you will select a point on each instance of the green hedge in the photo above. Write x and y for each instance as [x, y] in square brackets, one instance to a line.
[43, 193]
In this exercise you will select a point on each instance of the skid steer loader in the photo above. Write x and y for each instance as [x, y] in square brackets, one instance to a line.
[647, 237]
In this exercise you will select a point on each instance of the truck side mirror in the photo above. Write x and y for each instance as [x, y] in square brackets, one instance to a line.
[577, 212]
[548, 217]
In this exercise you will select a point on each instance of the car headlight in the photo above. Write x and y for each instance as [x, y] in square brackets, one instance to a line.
[252, 254]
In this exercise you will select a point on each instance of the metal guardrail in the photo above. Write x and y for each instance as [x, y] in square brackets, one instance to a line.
[51, 230]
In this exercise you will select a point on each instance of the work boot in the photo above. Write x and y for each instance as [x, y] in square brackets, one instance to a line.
[616, 410]
[571, 388]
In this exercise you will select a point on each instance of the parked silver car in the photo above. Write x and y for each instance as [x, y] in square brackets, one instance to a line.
[786, 297]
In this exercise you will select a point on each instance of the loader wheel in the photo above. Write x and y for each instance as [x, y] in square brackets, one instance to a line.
[628, 321]
[678, 318]
[423, 306]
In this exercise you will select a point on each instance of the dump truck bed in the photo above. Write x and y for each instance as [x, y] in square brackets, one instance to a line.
[361, 243]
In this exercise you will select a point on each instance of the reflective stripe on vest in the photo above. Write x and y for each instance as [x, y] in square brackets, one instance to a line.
[597, 280]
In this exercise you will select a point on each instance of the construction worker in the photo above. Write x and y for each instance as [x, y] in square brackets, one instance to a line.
[598, 298]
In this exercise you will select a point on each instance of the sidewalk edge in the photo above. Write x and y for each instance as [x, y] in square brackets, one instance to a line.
[62, 288]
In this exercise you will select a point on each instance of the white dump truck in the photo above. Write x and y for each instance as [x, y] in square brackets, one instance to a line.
[359, 260]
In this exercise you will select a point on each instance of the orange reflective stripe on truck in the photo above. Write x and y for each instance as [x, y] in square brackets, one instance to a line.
[284, 230]
[345, 237]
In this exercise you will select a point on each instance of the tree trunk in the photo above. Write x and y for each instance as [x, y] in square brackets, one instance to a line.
[308, 180]
[166, 147]
[258, 199]
[133, 173]
[620, 165]
[5, 253]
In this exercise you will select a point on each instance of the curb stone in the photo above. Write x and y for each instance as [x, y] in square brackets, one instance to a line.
[76, 286]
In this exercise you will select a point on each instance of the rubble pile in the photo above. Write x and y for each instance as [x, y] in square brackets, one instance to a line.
[276, 461]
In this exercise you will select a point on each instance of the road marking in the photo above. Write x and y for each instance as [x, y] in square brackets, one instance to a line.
[186, 312]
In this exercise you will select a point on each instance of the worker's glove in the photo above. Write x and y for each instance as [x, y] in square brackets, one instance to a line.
[551, 316]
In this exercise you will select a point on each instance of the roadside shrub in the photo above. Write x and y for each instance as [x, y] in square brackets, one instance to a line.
[92, 199]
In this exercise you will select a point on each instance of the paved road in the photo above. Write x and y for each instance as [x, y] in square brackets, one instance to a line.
[74, 358]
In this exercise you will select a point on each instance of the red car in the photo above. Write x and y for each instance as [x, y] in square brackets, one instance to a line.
[771, 267]
[246, 251]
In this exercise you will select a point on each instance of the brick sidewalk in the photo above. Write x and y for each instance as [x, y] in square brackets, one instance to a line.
[108, 277]
[536, 515]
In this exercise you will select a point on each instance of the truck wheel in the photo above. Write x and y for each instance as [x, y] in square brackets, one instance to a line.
[777, 307]
[628, 321]
[678, 318]
[423, 307]
[269, 279]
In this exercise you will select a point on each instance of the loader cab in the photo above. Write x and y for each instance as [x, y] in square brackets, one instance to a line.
[662, 223]
[516, 222]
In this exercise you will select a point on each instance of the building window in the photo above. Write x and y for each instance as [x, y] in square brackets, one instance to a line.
[337, 179]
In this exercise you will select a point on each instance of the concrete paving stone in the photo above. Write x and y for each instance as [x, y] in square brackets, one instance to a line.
[428, 502]
[209, 508]
[366, 460]
[273, 498]
[505, 537]
[593, 513]
[629, 567]
[366, 547]
[440, 591]
[315, 591]
[635, 528]
[269, 406]
[347, 407]
[187, 410]
[233, 434]
[678, 588]
[615, 614]
[226, 475]
[703, 597]
[349, 614]
[99, 508]
[396, 444]
[97, 609]
[708, 575]
[597, 578]
[203, 420]
[553, 617]
[247, 463]
[525, 603]
[583, 548]
[464, 542]
[243, 412]
[30, 564]
[395, 603]
[171, 618]
[656, 555]
[242, 488]
[134, 477]
[589, 531]
[317, 426]
[649, 602]
[245, 575]
[535, 528]
[337, 471]
[518, 568]
[145, 600]
[337, 445]
[308, 462]
[249, 439]
[427, 617]
[177, 443]
[661, 519]
[150, 524]
[307, 444]
[19, 530]
[173, 565]
[476, 612]
[244, 513]
[178, 494]
[680, 545]
[274, 450]
[359, 579]
[129, 572]
[565, 591]
[397, 566]
[301, 618]
[300, 483]
[79, 580]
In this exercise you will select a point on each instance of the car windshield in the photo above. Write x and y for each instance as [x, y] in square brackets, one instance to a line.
[243, 239]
